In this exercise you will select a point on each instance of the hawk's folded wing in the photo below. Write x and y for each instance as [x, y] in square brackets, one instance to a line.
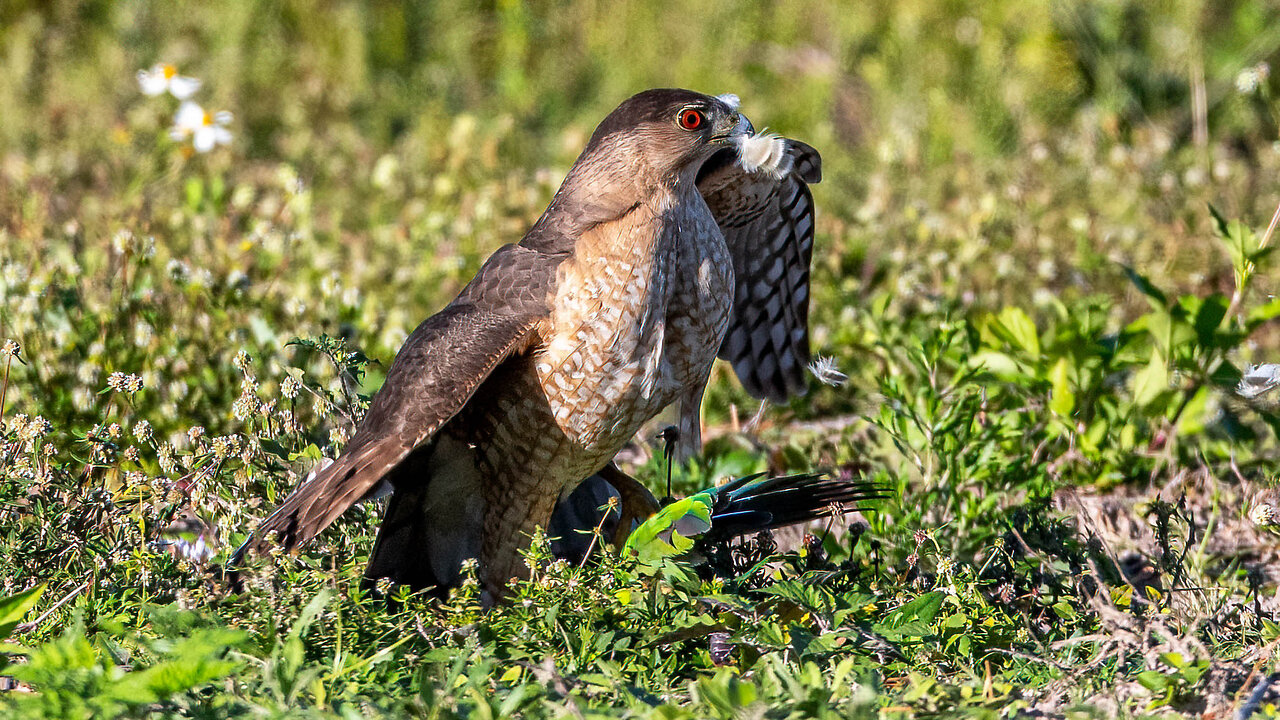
[767, 220]
[437, 370]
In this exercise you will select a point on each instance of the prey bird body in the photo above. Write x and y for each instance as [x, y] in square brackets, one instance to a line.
[742, 506]
[612, 307]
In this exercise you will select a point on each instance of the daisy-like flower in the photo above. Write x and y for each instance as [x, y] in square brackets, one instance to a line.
[164, 77]
[205, 131]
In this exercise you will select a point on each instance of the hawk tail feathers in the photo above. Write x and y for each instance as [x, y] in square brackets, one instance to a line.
[319, 501]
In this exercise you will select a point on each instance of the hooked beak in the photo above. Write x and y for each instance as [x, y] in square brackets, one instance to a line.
[733, 127]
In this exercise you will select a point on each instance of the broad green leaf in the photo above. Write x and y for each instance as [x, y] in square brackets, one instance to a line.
[998, 364]
[1194, 415]
[1160, 325]
[310, 452]
[1153, 680]
[1062, 401]
[1150, 381]
[1016, 328]
[913, 618]
[14, 607]
[1209, 317]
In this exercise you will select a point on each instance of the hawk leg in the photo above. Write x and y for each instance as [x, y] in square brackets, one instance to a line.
[512, 514]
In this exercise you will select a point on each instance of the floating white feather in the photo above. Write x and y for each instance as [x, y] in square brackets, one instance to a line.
[824, 368]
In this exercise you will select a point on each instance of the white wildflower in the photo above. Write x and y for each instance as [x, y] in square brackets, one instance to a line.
[14, 274]
[178, 271]
[87, 373]
[204, 130]
[122, 241]
[246, 405]
[1251, 78]
[124, 382]
[142, 333]
[165, 455]
[142, 430]
[339, 436]
[82, 399]
[225, 445]
[351, 297]
[164, 77]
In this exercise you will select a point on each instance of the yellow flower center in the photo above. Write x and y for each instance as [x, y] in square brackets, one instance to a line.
[169, 71]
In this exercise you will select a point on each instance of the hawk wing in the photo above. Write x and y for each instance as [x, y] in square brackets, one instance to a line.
[435, 373]
[767, 220]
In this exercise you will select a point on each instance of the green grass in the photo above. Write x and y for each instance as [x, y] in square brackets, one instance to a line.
[1042, 259]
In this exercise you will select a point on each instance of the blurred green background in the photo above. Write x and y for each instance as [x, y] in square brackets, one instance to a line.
[930, 91]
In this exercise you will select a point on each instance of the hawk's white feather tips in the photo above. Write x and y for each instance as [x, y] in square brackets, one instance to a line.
[730, 99]
[764, 152]
[824, 368]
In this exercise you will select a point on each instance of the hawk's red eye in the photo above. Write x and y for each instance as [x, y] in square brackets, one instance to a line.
[691, 119]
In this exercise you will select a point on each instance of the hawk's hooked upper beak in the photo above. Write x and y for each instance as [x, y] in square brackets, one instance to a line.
[731, 128]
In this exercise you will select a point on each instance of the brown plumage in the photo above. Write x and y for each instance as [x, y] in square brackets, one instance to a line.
[612, 307]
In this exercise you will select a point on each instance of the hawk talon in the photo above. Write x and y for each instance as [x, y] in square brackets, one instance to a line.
[638, 504]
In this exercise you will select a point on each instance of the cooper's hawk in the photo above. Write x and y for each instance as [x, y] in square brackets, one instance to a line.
[613, 306]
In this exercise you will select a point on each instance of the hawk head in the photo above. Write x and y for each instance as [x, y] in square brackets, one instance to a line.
[672, 129]
[658, 137]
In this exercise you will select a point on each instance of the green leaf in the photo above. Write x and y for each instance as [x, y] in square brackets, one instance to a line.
[310, 452]
[1153, 680]
[1061, 400]
[999, 364]
[1064, 610]
[1151, 381]
[1262, 314]
[1209, 317]
[1157, 298]
[1015, 327]
[14, 607]
[1195, 414]
[913, 618]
